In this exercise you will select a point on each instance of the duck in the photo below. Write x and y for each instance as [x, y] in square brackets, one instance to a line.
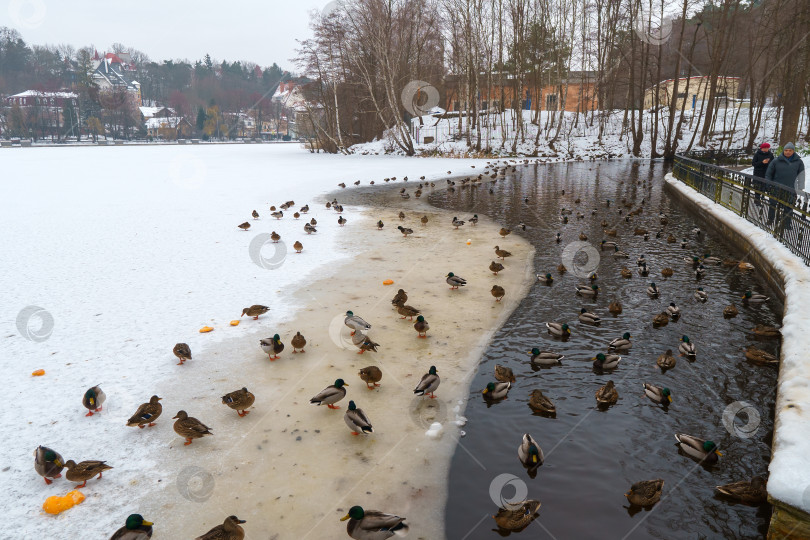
[473, 220]
[231, 529]
[583, 237]
[517, 515]
[504, 374]
[455, 281]
[357, 420]
[147, 413]
[671, 239]
[298, 342]
[428, 383]
[765, 331]
[304, 209]
[85, 470]
[495, 267]
[371, 375]
[657, 394]
[639, 231]
[745, 266]
[254, 311]
[275, 237]
[364, 343]
[407, 311]
[331, 394]
[48, 463]
[667, 272]
[255, 214]
[545, 358]
[593, 276]
[135, 528]
[400, 298]
[380, 225]
[694, 261]
[641, 260]
[561, 268]
[707, 259]
[645, 493]
[244, 226]
[182, 352]
[621, 343]
[539, 402]
[505, 232]
[619, 254]
[666, 360]
[700, 449]
[239, 400]
[501, 253]
[701, 295]
[652, 290]
[609, 245]
[296, 215]
[278, 215]
[355, 322]
[758, 356]
[309, 228]
[587, 290]
[401, 216]
[699, 271]
[588, 317]
[342, 221]
[643, 270]
[496, 390]
[189, 427]
[93, 399]
[610, 232]
[558, 238]
[498, 292]
[607, 394]
[405, 231]
[530, 454]
[603, 361]
[683, 243]
[673, 311]
[298, 246]
[750, 298]
[373, 524]
[457, 222]
[424, 220]
[687, 348]
[421, 326]
[753, 492]
[272, 346]
[626, 273]
[730, 311]
[547, 278]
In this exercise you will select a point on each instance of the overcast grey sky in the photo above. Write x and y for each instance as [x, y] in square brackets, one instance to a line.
[262, 31]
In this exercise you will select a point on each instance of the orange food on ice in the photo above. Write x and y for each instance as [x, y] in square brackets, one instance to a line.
[56, 504]
[388, 282]
[38, 373]
[205, 329]
[234, 323]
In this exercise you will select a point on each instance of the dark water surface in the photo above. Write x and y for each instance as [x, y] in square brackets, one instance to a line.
[593, 456]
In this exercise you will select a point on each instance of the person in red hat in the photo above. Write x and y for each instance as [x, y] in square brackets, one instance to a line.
[762, 158]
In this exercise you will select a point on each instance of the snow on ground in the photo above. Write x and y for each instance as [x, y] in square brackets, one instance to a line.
[789, 479]
[131, 250]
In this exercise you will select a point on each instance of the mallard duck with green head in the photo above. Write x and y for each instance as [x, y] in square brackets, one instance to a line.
[496, 390]
[85, 470]
[428, 383]
[135, 528]
[558, 329]
[604, 361]
[687, 348]
[272, 346]
[93, 400]
[48, 463]
[545, 278]
[750, 298]
[356, 322]
[590, 291]
[189, 427]
[588, 317]
[421, 326]
[455, 281]
[700, 449]
[373, 524]
[653, 291]
[530, 454]
[147, 413]
[357, 420]
[701, 295]
[645, 493]
[673, 311]
[657, 394]
[331, 394]
[749, 492]
[231, 529]
[239, 400]
[545, 358]
[621, 343]
[619, 254]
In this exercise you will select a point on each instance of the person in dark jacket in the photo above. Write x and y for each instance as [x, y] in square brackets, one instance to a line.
[762, 157]
[786, 170]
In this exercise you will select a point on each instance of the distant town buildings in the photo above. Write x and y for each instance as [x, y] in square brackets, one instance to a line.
[691, 92]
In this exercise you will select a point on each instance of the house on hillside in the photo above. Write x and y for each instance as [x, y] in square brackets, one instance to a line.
[115, 73]
[168, 128]
[156, 112]
[41, 114]
[574, 93]
[691, 92]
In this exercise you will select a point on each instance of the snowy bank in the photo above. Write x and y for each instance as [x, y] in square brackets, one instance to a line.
[789, 480]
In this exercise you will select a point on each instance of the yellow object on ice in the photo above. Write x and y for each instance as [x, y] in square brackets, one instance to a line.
[56, 504]
[235, 323]
[205, 329]
[38, 373]
[388, 282]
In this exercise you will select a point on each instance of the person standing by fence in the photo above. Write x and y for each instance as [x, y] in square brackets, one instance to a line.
[788, 170]
[762, 158]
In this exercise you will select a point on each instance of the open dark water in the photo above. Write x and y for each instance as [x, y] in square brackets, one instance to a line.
[593, 456]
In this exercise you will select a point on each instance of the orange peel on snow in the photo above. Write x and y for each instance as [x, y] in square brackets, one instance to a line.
[38, 373]
[235, 323]
[56, 504]
[388, 282]
[205, 329]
